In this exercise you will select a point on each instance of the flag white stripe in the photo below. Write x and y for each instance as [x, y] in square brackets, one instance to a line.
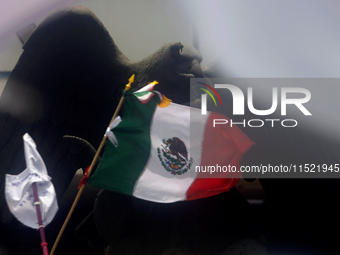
[156, 183]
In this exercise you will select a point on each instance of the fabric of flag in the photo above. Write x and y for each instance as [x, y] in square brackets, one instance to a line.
[162, 154]
[19, 191]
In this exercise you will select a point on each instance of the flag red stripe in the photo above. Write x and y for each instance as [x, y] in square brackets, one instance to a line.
[223, 146]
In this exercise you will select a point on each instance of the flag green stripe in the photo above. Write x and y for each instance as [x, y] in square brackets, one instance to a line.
[140, 94]
[121, 166]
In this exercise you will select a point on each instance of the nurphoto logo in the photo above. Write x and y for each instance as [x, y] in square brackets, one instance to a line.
[286, 97]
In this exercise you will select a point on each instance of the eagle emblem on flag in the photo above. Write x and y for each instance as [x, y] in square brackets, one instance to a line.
[173, 155]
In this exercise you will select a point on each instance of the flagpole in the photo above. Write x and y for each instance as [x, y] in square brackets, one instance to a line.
[127, 87]
[41, 226]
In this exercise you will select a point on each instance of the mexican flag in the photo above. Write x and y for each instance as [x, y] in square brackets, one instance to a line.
[169, 154]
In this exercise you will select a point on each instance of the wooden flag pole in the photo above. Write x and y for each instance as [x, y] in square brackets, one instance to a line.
[127, 87]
